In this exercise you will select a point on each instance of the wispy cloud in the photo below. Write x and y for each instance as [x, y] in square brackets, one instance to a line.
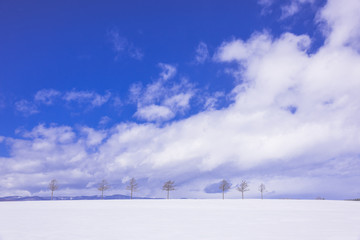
[122, 45]
[168, 71]
[46, 96]
[293, 7]
[265, 3]
[288, 9]
[26, 107]
[161, 100]
[201, 53]
[86, 97]
[135, 52]
[104, 120]
[212, 101]
[154, 113]
[266, 6]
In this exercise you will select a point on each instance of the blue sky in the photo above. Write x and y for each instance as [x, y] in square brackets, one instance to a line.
[194, 91]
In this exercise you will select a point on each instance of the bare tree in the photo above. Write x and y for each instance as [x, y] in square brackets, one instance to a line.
[243, 187]
[103, 186]
[53, 186]
[169, 186]
[262, 189]
[132, 187]
[224, 187]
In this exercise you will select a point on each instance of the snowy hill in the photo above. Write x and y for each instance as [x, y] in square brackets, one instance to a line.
[180, 219]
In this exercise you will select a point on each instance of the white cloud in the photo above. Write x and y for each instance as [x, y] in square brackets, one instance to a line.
[167, 71]
[343, 21]
[202, 53]
[93, 137]
[162, 99]
[26, 107]
[179, 101]
[154, 91]
[60, 134]
[154, 113]
[239, 50]
[87, 97]
[46, 96]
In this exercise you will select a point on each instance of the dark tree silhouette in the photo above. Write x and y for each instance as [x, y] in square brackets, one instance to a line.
[262, 189]
[103, 186]
[243, 187]
[224, 187]
[132, 186]
[168, 186]
[53, 186]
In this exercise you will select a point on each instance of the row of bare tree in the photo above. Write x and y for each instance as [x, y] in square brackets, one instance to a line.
[242, 187]
[132, 186]
[168, 187]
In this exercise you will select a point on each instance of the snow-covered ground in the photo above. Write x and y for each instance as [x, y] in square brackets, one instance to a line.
[180, 219]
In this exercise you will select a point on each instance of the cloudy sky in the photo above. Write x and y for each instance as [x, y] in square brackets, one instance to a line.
[192, 91]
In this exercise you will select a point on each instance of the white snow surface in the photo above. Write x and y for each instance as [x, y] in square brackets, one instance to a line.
[180, 219]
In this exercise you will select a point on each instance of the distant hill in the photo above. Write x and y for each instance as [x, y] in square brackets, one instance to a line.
[95, 197]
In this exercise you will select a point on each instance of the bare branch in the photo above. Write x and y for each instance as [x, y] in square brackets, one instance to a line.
[243, 187]
[168, 186]
[132, 186]
[262, 189]
[103, 186]
[53, 186]
[224, 187]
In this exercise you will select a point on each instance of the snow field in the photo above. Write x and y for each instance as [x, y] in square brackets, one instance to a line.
[180, 219]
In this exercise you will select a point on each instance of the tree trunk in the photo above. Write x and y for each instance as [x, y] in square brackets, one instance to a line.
[168, 194]
[242, 195]
[223, 195]
[131, 194]
[261, 195]
[102, 194]
[52, 192]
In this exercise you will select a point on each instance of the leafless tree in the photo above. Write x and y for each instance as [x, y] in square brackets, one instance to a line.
[53, 186]
[169, 186]
[262, 189]
[224, 187]
[243, 187]
[103, 186]
[132, 187]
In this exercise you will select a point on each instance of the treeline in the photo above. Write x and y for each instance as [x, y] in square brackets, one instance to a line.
[168, 186]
